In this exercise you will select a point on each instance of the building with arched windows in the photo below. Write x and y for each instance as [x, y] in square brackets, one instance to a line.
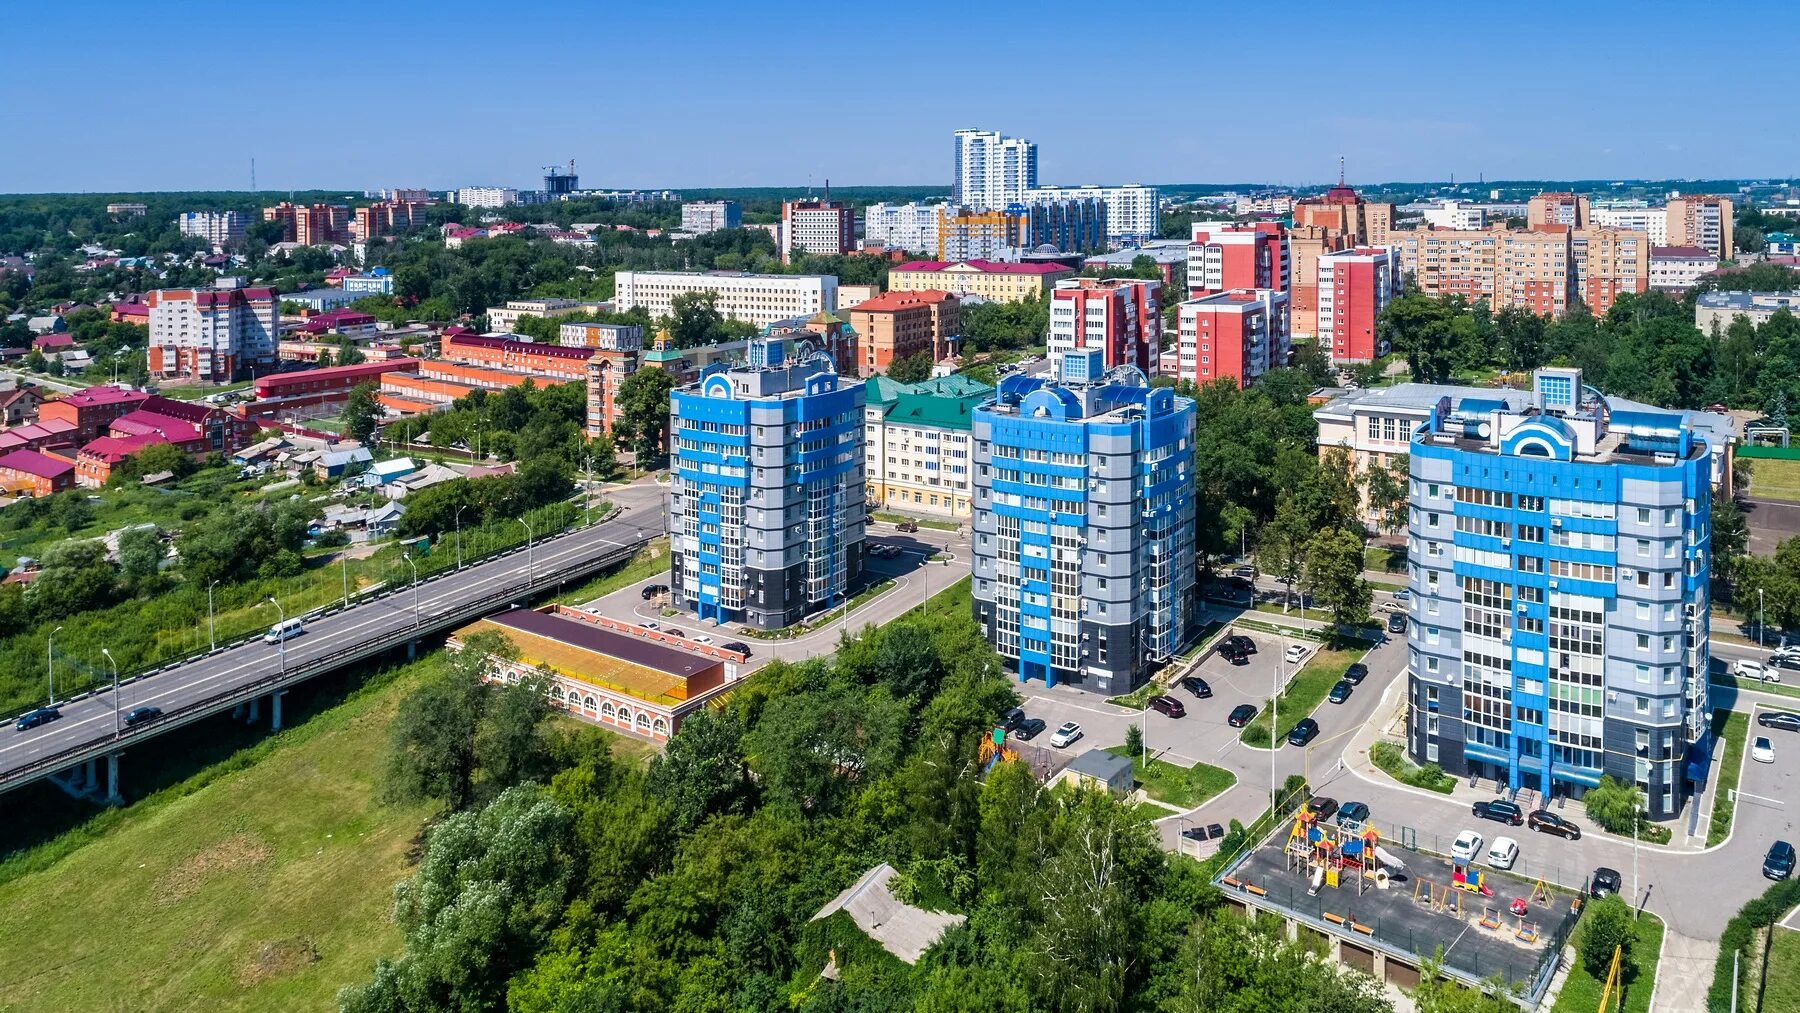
[623, 677]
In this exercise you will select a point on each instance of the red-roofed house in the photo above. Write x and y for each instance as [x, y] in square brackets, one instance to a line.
[39, 474]
[44, 434]
[95, 461]
[53, 342]
[180, 432]
[90, 411]
[131, 313]
[19, 406]
[340, 321]
[983, 279]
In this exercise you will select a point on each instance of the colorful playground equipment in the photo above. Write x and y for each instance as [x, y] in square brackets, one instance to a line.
[994, 750]
[1325, 854]
[1465, 876]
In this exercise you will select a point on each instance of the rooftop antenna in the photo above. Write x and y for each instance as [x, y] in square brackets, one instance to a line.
[1340, 170]
[828, 189]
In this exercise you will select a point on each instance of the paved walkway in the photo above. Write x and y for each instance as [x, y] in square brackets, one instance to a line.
[1685, 973]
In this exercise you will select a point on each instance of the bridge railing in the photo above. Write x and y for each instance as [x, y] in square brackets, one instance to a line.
[301, 671]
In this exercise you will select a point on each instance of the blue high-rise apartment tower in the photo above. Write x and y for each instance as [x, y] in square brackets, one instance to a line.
[766, 494]
[1558, 558]
[1083, 523]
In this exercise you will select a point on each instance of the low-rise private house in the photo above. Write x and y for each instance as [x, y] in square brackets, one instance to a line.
[383, 473]
[52, 343]
[48, 324]
[426, 477]
[377, 521]
[31, 472]
[1098, 768]
[130, 313]
[335, 464]
[19, 406]
[262, 452]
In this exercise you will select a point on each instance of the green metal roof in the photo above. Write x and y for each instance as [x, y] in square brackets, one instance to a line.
[947, 402]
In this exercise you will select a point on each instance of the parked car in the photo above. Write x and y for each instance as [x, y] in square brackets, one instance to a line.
[1241, 715]
[1352, 815]
[1504, 853]
[1233, 653]
[1029, 729]
[1467, 846]
[1747, 669]
[1321, 807]
[1066, 735]
[1356, 673]
[139, 715]
[1779, 862]
[1762, 750]
[1341, 691]
[1168, 705]
[1394, 607]
[675, 632]
[1197, 686]
[1303, 732]
[1604, 882]
[1295, 653]
[1396, 624]
[1244, 643]
[1546, 822]
[738, 646]
[1499, 810]
[1786, 721]
[1244, 572]
[41, 716]
[1404, 594]
[651, 626]
[702, 639]
[652, 590]
[1012, 718]
[908, 526]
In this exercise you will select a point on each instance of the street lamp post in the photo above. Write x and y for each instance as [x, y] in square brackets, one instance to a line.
[115, 672]
[415, 588]
[1761, 620]
[344, 560]
[50, 662]
[530, 574]
[280, 634]
[211, 636]
[459, 511]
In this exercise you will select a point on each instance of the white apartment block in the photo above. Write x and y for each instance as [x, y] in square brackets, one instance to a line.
[1133, 211]
[218, 228]
[704, 216]
[992, 171]
[487, 196]
[1265, 204]
[760, 299]
[910, 227]
[212, 334]
[1453, 214]
[1652, 221]
[503, 319]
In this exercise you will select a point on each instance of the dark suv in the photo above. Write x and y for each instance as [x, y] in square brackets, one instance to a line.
[1233, 653]
[1604, 882]
[1779, 862]
[1197, 686]
[1500, 811]
[1168, 705]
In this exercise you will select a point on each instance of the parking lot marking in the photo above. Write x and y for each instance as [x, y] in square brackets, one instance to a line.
[1117, 712]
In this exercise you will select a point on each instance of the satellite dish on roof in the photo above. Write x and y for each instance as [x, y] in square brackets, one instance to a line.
[1483, 429]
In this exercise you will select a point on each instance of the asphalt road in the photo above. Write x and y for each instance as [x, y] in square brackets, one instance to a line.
[90, 720]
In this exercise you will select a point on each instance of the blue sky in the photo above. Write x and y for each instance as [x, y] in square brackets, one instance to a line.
[107, 95]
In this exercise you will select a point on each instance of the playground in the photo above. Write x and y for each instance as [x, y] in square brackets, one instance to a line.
[1350, 884]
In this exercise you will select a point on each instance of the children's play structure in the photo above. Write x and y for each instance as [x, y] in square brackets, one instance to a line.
[995, 750]
[1326, 855]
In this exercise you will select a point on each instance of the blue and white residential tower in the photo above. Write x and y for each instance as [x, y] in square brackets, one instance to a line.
[766, 494]
[1084, 523]
[1559, 557]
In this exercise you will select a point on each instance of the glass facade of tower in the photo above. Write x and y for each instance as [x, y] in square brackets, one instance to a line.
[1083, 525]
[1559, 560]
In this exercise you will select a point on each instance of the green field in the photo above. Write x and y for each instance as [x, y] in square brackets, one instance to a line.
[1581, 992]
[1773, 479]
[1781, 990]
[266, 889]
[1305, 691]
[1184, 787]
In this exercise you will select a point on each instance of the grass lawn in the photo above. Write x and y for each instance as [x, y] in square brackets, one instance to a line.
[1581, 992]
[268, 888]
[1727, 763]
[924, 522]
[1305, 691]
[1774, 479]
[650, 560]
[1782, 988]
[198, 391]
[1185, 787]
[1384, 560]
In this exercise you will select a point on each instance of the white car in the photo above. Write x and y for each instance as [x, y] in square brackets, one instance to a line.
[1295, 653]
[1762, 750]
[651, 626]
[1391, 606]
[1068, 733]
[702, 640]
[1504, 853]
[1467, 846]
[1746, 669]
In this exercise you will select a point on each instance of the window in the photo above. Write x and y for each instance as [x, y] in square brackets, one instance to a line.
[1643, 641]
[1643, 674]
[1643, 515]
[1643, 705]
[1643, 546]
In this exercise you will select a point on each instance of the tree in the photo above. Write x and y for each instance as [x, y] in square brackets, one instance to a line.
[1385, 487]
[702, 773]
[141, 554]
[1730, 537]
[644, 413]
[152, 460]
[1334, 566]
[602, 458]
[1283, 543]
[1616, 805]
[510, 746]
[1134, 740]
[432, 742]
[362, 413]
[810, 747]
[1606, 927]
[911, 368]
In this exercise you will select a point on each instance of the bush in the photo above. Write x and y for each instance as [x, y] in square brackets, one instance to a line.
[1740, 932]
[1134, 740]
[1615, 806]
[1605, 926]
[1392, 760]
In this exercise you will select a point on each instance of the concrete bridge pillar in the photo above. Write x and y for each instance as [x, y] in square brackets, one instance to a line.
[255, 710]
[112, 779]
[90, 778]
[275, 709]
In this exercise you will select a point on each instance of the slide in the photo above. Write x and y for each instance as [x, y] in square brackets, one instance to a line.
[1318, 880]
[1386, 857]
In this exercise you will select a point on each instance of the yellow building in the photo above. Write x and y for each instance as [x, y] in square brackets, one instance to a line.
[984, 279]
